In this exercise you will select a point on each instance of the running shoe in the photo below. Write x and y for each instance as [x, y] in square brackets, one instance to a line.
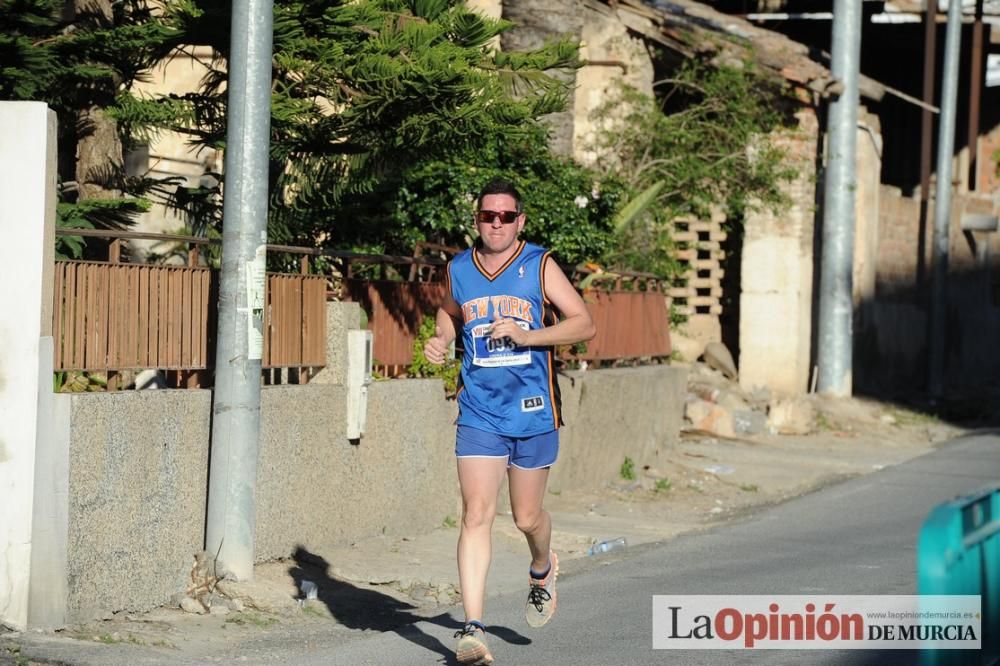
[541, 604]
[471, 647]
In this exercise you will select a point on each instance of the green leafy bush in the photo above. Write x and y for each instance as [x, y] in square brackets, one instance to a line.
[78, 381]
[78, 58]
[115, 214]
[703, 136]
[701, 142]
[362, 91]
[421, 367]
[570, 209]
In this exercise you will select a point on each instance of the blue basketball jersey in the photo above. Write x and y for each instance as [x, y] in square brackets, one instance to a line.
[505, 389]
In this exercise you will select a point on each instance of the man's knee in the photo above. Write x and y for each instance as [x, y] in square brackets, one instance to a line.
[478, 515]
[528, 521]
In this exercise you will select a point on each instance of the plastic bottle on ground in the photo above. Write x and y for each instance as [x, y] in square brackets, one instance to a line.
[607, 546]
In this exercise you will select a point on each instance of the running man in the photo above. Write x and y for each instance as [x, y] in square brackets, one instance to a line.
[502, 296]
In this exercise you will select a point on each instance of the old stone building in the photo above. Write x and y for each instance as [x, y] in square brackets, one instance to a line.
[902, 45]
[756, 290]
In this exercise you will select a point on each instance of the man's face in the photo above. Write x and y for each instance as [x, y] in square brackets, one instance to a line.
[498, 236]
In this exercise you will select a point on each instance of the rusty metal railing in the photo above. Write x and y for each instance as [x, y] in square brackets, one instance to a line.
[630, 324]
[114, 317]
[395, 311]
[295, 321]
[121, 316]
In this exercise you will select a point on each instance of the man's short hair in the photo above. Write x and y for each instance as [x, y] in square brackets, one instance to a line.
[500, 186]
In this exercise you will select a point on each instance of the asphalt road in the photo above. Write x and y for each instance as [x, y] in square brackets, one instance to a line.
[857, 537]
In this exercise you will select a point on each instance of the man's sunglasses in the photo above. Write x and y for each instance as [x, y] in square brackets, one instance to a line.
[487, 216]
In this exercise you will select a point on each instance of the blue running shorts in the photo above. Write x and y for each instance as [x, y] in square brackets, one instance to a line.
[534, 452]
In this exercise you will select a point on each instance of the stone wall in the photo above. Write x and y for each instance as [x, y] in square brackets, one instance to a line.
[169, 154]
[902, 257]
[777, 274]
[611, 56]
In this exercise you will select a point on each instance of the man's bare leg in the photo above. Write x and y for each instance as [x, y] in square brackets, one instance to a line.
[480, 480]
[527, 492]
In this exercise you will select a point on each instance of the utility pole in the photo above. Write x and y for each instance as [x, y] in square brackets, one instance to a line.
[938, 313]
[836, 301]
[236, 409]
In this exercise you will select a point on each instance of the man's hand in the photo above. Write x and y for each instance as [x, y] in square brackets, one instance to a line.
[508, 328]
[436, 348]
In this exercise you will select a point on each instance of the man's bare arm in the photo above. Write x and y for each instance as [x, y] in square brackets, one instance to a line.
[576, 325]
[445, 331]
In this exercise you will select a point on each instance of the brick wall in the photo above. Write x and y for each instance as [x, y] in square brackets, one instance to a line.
[890, 337]
[897, 270]
[899, 273]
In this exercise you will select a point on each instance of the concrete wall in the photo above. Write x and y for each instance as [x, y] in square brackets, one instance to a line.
[32, 439]
[492, 8]
[610, 414]
[866, 206]
[341, 317]
[777, 275]
[139, 461]
[780, 260]
[137, 497]
[316, 489]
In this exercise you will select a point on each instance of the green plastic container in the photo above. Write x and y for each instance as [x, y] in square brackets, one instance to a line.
[958, 552]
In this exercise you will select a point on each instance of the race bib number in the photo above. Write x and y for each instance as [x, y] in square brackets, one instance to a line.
[490, 353]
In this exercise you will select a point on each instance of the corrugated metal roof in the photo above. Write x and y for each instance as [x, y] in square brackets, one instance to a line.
[990, 7]
[693, 29]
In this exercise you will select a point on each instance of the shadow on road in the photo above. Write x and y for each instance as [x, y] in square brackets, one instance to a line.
[359, 608]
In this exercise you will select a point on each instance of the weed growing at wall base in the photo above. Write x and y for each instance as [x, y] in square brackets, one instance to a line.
[627, 470]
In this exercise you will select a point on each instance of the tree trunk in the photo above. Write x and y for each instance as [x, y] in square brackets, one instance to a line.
[99, 156]
[99, 161]
[535, 22]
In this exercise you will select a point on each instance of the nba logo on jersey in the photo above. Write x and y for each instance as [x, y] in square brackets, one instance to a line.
[520, 272]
